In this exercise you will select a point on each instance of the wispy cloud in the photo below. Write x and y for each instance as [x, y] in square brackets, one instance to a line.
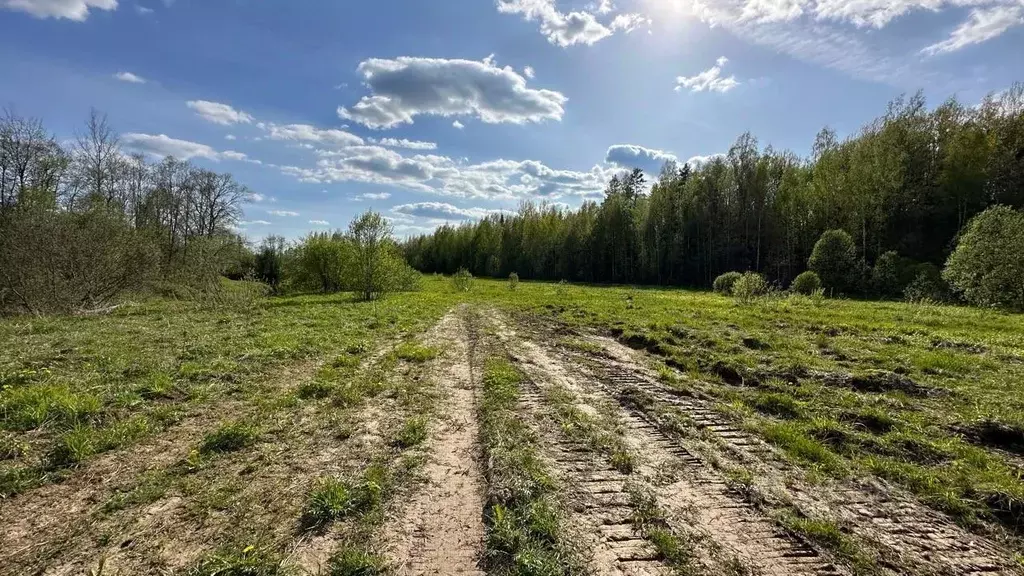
[282, 213]
[710, 80]
[130, 78]
[219, 113]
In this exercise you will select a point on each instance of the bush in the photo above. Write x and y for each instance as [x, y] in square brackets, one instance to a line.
[806, 283]
[834, 259]
[749, 286]
[462, 280]
[724, 283]
[927, 285]
[987, 266]
[513, 281]
[320, 262]
[55, 261]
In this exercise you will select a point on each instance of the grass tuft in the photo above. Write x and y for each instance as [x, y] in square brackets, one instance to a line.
[229, 438]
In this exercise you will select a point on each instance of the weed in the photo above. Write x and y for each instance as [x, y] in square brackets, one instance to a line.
[415, 353]
[333, 498]
[356, 562]
[250, 561]
[413, 433]
[229, 438]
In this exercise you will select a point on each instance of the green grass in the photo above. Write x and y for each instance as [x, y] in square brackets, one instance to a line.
[412, 433]
[411, 352]
[249, 561]
[889, 389]
[524, 524]
[334, 498]
[229, 438]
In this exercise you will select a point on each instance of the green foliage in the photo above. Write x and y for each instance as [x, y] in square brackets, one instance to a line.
[513, 281]
[355, 562]
[321, 262]
[927, 286]
[269, 262]
[724, 283]
[250, 561]
[807, 283]
[889, 277]
[413, 433]
[749, 287]
[462, 280]
[987, 266]
[834, 259]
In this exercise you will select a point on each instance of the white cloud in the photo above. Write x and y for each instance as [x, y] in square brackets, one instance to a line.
[253, 197]
[230, 137]
[528, 72]
[458, 125]
[219, 113]
[408, 144]
[239, 156]
[143, 10]
[77, 10]
[257, 222]
[282, 213]
[568, 29]
[320, 222]
[633, 156]
[406, 87]
[129, 77]
[983, 24]
[709, 80]
[162, 145]
[307, 133]
[698, 161]
[374, 196]
[442, 211]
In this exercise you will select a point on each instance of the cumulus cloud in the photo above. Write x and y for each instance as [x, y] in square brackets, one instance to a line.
[569, 29]
[982, 25]
[408, 144]
[633, 156]
[528, 72]
[442, 211]
[710, 80]
[373, 196]
[698, 161]
[254, 197]
[458, 125]
[130, 78]
[230, 137]
[162, 145]
[311, 134]
[407, 87]
[282, 213]
[77, 10]
[219, 113]
[319, 222]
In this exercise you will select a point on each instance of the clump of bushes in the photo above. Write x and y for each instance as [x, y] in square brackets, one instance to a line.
[927, 286]
[513, 281]
[834, 260]
[987, 266]
[725, 282]
[806, 283]
[749, 287]
[462, 280]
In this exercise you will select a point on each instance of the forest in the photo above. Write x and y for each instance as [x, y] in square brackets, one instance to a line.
[902, 188]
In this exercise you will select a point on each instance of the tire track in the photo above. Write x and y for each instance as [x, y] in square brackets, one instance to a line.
[908, 535]
[442, 530]
[697, 499]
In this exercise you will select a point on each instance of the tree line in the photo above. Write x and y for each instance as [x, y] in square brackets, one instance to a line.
[83, 222]
[902, 189]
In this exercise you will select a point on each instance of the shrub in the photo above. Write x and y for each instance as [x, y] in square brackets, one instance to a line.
[462, 280]
[987, 265]
[513, 281]
[806, 283]
[891, 275]
[724, 283]
[749, 287]
[320, 262]
[834, 259]
[927, 285]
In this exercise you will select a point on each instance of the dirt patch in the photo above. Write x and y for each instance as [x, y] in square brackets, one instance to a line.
[995, 435]
[879, 382]
[441, 530]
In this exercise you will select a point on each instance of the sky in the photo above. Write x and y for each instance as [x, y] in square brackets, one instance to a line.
[434, 111]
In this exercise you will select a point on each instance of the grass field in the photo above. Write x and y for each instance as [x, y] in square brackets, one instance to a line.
[550, 429]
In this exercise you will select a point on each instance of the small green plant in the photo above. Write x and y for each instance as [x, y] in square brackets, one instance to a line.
[356, 562]
[334, 498]
[724, 283]
[749, 287]
[250, 561]
[462, 280]
[806, 283]
[818, 297]
[411, 352]
[228, 438]
[513, 281]
[413, 433]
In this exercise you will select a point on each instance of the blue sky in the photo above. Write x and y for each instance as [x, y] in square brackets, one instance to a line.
[445, 110]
